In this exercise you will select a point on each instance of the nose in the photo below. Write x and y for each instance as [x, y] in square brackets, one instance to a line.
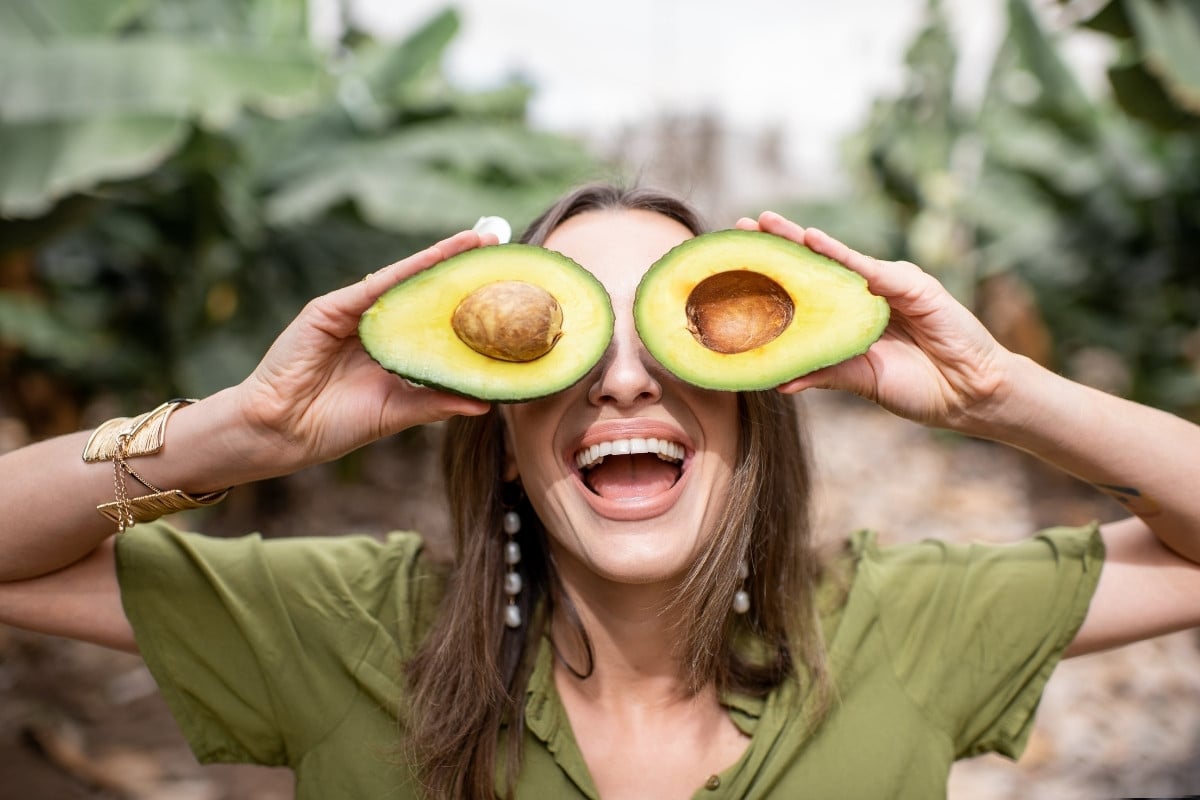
[623, 379]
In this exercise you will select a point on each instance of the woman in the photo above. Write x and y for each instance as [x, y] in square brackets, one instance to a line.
[626, 670]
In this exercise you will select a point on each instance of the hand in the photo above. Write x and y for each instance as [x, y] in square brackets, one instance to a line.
[935, 363]
[317, 395]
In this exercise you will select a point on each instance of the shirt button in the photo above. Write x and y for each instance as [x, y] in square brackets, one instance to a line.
[713, 783]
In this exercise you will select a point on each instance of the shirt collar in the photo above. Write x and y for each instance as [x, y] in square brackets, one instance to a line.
[546, 719]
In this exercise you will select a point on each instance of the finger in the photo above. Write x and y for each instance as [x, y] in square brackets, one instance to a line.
[746, 224]
[818, 379]
[884, 278]
[870, 268]
[890, 279]
[338, 312]
[379, 281]
[423, 405]
[852, 375]
[353, 300]
[446, 405]
[771, 222]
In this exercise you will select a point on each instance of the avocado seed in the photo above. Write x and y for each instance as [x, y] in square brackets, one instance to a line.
[735, 311]
[509, 321]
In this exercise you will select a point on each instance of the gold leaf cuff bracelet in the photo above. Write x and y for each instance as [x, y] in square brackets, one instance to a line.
[130, 437]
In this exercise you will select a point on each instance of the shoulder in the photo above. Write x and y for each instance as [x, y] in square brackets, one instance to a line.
[935, 598]
[358, 558]
[916, 567]
[968, 633]
[392, 579]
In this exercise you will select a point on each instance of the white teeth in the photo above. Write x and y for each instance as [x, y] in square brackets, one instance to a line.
[663, 448]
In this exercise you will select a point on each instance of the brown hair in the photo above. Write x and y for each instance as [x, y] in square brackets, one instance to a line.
[469, 677]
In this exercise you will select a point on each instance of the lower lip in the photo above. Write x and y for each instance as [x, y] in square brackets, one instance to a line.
[633, 508]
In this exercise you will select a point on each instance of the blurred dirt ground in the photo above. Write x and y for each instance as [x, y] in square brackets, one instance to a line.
[77, 721]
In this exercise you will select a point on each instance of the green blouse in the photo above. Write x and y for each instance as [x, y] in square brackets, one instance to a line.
[289, 653]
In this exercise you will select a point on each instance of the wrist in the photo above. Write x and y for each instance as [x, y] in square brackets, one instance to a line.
[1035, 409]
[1017, 403]
[123, 439]
[210, 446]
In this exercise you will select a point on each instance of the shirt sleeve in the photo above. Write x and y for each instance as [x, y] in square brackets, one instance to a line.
[974, 631]
[256, 644]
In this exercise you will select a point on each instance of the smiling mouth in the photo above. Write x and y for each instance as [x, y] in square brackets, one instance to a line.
[634, 468]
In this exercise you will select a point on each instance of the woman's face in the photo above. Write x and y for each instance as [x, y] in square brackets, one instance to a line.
[632, 516]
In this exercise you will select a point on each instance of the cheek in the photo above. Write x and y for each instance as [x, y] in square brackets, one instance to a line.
[528, 439]
[719, 415]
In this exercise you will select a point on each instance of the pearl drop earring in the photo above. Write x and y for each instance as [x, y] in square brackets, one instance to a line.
[741, 598]
[512, 578]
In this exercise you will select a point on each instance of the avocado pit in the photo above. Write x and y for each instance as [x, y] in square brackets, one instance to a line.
[509, 321]
[737, 311]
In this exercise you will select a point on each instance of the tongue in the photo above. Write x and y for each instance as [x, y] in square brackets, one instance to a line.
[628, 477]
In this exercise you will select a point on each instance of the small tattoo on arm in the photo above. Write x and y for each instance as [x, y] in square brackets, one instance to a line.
[1131, 498]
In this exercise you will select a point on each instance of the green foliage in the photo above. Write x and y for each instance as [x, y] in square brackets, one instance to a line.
[187, 175]
[1094, 203]
[1160, 56]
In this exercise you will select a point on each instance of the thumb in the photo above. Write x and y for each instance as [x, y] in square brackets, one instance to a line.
[854, 375]
[421, 405]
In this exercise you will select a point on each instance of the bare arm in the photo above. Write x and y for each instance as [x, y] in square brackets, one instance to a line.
[1140, 456]
[938, 365]
[81, 601]
[315, 396]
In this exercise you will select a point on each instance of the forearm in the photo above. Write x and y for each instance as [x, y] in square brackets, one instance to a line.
[50, 494]
[1138, 455]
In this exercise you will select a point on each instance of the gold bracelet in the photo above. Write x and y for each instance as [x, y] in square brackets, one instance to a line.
[150, 507]
[129, 437]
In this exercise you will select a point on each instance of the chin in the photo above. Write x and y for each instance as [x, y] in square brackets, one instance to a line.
[635, 553]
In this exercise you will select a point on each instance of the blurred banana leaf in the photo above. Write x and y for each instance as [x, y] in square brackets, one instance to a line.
[423, 179]
[46, 161]
[32, 325]
[78, 78]
[1156, 75]
[187, 175]
[1089, 204]
[34, 21]
[89, 95]
[1168, 35]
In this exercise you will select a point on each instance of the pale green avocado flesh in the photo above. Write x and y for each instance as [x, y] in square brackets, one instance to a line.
[744, 310]
[409, 328]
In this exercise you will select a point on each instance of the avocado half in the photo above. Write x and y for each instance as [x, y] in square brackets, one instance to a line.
[745, 310]
[504, 323]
